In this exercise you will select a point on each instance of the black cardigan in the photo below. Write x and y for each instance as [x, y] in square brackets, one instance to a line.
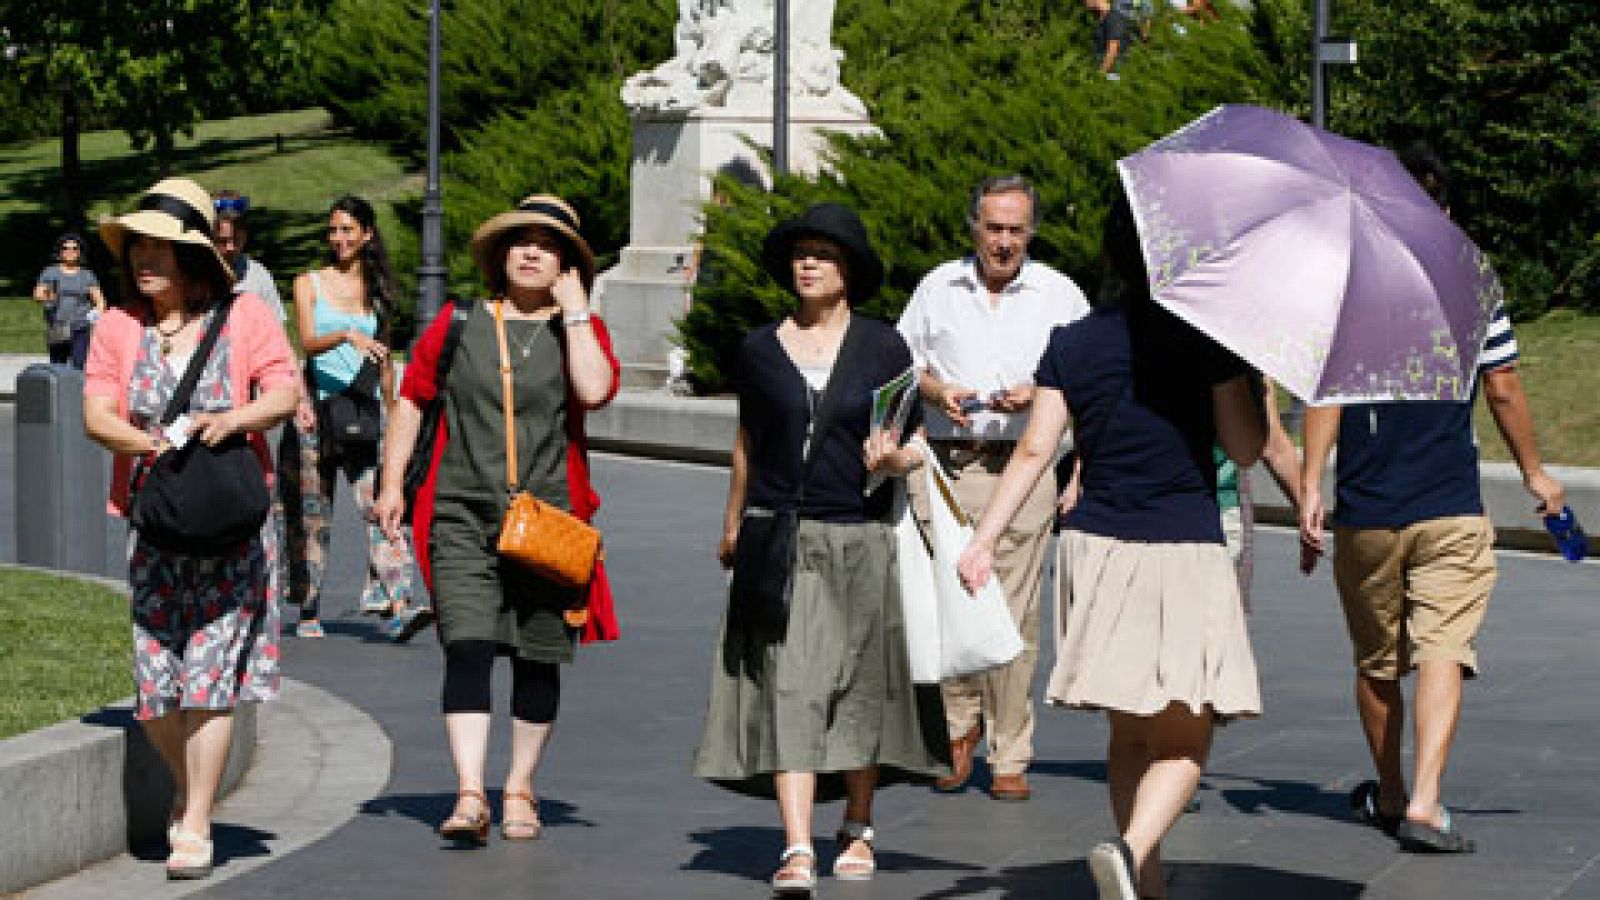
[773, 409]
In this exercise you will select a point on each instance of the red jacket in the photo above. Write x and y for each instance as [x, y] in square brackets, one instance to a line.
[421, 385]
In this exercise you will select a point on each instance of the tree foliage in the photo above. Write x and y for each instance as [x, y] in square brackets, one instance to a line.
[961, 90]
[1508, 93]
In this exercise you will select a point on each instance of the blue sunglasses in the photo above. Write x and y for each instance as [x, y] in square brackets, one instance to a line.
[232, 204]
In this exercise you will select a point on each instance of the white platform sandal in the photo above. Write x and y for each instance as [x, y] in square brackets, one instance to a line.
[794, 879]
[854, 868]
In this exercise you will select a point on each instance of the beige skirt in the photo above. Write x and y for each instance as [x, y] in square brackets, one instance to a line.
[1144, 625]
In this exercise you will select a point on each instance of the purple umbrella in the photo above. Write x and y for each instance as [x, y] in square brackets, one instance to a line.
[1317, 259]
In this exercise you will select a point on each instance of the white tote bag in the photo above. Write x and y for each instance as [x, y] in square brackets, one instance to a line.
[975, 630]
[918, 602]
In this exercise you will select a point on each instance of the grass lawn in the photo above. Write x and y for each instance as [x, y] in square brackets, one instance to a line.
[291, 165]
[65, 649]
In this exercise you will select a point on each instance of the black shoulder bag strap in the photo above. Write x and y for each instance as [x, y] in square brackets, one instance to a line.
[197, 363]
[459, 314]
[845, 366]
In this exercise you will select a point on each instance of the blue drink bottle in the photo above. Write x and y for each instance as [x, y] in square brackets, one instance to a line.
[1569, 535]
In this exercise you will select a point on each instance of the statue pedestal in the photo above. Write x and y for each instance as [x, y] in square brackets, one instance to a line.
[675, 158]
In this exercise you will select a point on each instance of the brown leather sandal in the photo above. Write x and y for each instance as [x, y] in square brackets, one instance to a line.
[465, 829]
[520, 829]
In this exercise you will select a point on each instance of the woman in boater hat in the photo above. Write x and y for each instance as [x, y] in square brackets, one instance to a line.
[205, 628]
[537, 322]
[820, 705]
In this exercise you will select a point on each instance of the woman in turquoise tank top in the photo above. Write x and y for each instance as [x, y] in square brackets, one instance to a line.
[341, 312]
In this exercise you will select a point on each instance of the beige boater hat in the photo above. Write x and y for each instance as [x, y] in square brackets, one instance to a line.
[176, 210]
[545, 210]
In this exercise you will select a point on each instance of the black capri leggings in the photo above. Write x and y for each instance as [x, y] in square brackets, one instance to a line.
[535, 686]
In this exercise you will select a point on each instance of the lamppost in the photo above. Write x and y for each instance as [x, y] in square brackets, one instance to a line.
[1325, 51]
[431, 273]
[780, 92]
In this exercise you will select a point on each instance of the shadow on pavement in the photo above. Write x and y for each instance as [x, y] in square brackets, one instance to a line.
[752, 852]
[1188, 880]
[229, 842]
[431, 809]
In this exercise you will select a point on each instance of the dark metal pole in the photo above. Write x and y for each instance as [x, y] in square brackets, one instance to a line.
[780, 93]
[431, 274]
[1319, 69]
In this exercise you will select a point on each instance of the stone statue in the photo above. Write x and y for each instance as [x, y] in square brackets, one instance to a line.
[724, 58]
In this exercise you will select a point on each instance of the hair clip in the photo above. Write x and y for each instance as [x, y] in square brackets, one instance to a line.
[234, 203]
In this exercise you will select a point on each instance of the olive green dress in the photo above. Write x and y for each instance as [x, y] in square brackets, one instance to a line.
[478, 596]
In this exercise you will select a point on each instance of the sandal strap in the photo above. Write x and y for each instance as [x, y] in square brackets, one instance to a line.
[517, 795]
[856, 831]
[794, 850]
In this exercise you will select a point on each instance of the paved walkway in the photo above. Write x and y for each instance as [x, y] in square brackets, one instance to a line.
[626, 820]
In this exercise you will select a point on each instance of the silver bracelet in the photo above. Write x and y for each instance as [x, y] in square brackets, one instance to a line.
[575, 319]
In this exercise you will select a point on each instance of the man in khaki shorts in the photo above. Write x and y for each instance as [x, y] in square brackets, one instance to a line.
[1414, 564]
[976, 328]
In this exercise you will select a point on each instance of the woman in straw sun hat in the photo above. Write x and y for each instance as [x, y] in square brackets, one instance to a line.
[205, 628]
[537, 322]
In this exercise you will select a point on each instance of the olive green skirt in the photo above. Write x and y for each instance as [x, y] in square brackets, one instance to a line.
[833, 692]
[480, 597]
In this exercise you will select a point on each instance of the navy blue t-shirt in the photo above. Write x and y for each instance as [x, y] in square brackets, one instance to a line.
[774, 410]
[1411, 461]
[1144, 427]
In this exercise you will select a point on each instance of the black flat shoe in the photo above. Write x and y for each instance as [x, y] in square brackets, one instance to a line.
[1420, 837]
[1364, 803]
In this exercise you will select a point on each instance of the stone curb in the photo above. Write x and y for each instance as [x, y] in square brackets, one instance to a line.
[79, 792]
[695, 429]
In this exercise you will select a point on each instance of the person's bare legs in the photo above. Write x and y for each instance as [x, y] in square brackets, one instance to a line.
[1382, 706]
[1127, 760]
[797, 793]
[1176, 742]
[207, 736]
[468, 733]
[167, 734]
[528, 740]
[1436, 707]
[860, 785]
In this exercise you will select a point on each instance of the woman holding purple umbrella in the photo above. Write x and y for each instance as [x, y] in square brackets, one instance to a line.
[1155, 632]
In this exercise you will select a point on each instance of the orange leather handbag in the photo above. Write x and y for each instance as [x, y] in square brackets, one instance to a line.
[542, 538]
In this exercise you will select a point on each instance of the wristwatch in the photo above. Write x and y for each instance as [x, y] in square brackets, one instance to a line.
[571, 319]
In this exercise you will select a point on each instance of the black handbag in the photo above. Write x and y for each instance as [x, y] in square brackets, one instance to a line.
[353, 417]
[420, 462]
[764, 551]
[200, 500]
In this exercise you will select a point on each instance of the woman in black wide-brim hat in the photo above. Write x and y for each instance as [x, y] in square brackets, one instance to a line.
[821, 705]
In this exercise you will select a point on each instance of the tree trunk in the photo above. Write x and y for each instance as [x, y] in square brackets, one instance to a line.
[71, 165]
[164, 144]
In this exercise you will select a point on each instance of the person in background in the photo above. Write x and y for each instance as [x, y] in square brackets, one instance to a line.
[538, 332]
[1114, 29]
[72, 300]
[1234, 494]
[233, 234]
[205, 628]
[1154, 633]
[1414, 561]
[343, 311]
[976, 327]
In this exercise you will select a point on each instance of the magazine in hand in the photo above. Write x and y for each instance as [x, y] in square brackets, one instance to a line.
[891, 409]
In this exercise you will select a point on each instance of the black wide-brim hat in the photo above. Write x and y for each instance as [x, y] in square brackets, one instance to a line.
[837, 223]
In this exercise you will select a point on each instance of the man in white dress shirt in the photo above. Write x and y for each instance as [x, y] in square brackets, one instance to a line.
[977, 327]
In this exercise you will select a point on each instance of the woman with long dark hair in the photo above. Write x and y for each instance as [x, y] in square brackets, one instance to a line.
[205, 627]
[1154, 633]
[343, 311]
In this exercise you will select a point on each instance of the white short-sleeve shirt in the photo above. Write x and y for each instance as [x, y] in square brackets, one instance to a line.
[956, 331]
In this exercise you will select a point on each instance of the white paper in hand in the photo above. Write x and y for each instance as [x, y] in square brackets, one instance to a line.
[177, 434]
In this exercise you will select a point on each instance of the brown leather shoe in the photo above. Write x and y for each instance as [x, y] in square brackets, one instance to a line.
[1010, 788]
[961, 751]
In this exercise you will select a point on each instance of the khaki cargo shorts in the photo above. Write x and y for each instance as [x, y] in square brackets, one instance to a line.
[1415, 593]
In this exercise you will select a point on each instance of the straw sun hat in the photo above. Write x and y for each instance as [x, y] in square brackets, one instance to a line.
[544, 210]
[176, 210]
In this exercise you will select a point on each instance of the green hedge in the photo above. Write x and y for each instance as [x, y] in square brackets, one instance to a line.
[962, 90]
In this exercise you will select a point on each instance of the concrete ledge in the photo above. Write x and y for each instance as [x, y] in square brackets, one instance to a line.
[701, 429]
[11, 365]
[81, 792]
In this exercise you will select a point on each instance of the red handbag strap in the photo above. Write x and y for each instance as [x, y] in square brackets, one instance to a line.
[509, 403]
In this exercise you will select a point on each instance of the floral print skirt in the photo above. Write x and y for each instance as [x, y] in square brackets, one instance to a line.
[205, 629]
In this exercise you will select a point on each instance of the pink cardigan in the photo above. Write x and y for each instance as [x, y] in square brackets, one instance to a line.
[260, 361]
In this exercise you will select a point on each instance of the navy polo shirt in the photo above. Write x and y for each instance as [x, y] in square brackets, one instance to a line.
[1410, 461]
[1140, 399]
